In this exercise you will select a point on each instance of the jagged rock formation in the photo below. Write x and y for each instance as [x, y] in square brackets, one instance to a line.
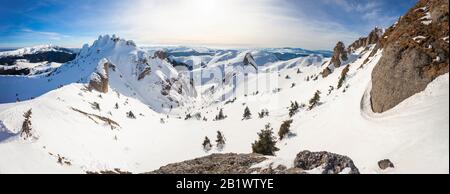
[373, 38]
[340, 54]
[99, 78]
[327, 163]
[415, 52]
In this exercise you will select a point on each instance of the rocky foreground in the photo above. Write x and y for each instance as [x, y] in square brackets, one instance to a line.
[306, 162]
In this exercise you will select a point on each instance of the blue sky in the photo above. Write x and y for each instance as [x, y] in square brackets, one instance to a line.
[312, 24]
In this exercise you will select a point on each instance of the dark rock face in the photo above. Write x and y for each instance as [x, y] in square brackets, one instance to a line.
[385, 164]
[14, 71]
[50, 56]
[339, 54]
[415, 53]
[214, 164]
[331, 163]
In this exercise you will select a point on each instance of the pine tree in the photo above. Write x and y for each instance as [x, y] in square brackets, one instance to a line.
[314, 101]
[263, 113]
[292, 85]
[207, 144]
[293, 109]
[266, 143]
[26, 125]
[247, 114]
[343, 76]
[220, 141]
[220, 116]
[285, 129]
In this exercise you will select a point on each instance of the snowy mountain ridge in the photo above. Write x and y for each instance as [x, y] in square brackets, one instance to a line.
[34, 50]
[100, 133]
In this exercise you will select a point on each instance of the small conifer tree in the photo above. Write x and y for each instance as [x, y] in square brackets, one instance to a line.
[314, 101]
[266, 143]
[131, 115]
[220, 141]
[26, 125]
[285, 129]
[206, 144]
[247, 114]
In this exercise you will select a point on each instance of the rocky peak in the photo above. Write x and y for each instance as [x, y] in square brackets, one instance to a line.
[373, 38]
[415, 52]
[339, 54]
[100, 78]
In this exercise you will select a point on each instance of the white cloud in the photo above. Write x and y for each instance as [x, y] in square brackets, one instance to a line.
[243, 23]
[40, 34]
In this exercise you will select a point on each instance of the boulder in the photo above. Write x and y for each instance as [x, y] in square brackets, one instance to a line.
[385, 164]
[329, 162]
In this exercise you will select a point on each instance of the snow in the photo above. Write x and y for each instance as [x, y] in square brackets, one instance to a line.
[414, 135]
[31, 50]
[426, 20]
[418, 39]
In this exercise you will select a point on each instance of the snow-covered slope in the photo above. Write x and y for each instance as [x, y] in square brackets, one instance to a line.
[34, 50]
[75, 130]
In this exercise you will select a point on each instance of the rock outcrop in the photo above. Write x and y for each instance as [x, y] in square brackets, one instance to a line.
[99, 78]
[214, 164]
[415, 52]
[327, 163]
[339, 55]
[374, 37]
